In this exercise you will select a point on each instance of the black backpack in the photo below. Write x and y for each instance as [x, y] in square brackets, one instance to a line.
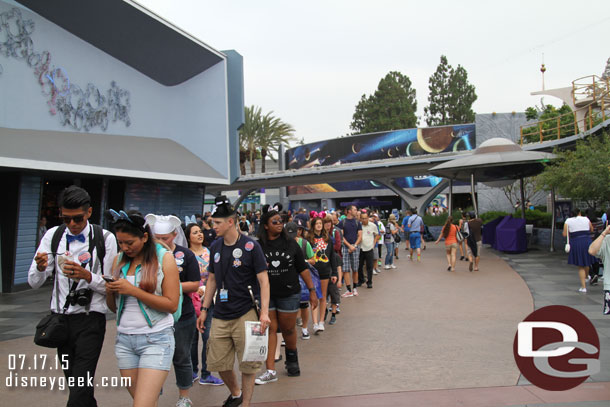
[99, 244]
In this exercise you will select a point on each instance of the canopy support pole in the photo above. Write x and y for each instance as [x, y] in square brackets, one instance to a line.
[521, 187]
[553, 220]
[244, 195]
[474, 198]
[450, 206]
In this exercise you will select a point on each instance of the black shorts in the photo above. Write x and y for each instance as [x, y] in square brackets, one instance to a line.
[304, 305]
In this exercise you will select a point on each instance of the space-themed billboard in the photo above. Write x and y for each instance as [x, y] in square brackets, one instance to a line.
[378, 146]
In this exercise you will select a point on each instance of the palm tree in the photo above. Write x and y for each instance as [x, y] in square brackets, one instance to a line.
[273, 133]
[248, 137]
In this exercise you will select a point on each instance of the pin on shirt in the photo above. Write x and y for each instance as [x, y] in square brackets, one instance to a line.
[236, 263]
[237, 253]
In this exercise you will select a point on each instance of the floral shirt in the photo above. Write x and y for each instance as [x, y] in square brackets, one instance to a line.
[204, 262]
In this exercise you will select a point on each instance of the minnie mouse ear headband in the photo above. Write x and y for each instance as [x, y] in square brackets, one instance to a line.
[314, 214]
[134, 219]
[222, 207]
[162, 225]
[276, 207]
[188, 221]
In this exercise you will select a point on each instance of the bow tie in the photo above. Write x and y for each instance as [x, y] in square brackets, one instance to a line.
[80, 238]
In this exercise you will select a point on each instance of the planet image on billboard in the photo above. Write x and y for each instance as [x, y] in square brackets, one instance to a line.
[413, 148]
[375, 184]
[435, 139]
[356, 147]
[390, 152]
[307, 154]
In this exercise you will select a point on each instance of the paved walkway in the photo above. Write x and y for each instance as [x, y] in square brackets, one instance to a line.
[421, 336]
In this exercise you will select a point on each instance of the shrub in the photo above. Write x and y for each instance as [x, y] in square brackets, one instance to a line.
[491, 215]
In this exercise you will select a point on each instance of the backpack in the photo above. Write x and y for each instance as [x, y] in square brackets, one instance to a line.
[99, 243]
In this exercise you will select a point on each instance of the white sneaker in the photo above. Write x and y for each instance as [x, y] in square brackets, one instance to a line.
[387, 267]
[321, 327]
[393, 266]
[267, 377]
[304, 334]
[316, 328]
[582, 290]
[184, 402]
[375, 272]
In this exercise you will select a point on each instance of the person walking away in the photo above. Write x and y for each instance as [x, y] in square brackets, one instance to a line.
[405, 231]
[416, 228]
[286, 262]
[578, 229]
[462, 225]
[475, 226]
[238, 270]
[379, 248]
[196, 242]
[352, 236]
[601, 248]
[448, 233]
[87, 322]
[598, 228]
[370, 236]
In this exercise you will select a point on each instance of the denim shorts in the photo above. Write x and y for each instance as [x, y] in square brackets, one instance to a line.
[145, 351]
[285, 304]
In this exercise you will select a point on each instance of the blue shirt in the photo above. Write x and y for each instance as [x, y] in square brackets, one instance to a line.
[416, 223]
[350, 229]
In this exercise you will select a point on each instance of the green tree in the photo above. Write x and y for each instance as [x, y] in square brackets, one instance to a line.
[451, 96]
[261, 136]
[248, 135]
[549, 128]
[391, 107]
[582, 173]
[272, 133]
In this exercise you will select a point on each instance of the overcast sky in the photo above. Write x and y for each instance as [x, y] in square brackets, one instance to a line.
[310, 61]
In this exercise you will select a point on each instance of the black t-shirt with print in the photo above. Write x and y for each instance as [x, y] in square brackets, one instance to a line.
[188, 266]
[236, 275]
[285, 261]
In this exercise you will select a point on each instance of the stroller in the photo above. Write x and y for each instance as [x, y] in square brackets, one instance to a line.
[428, 236]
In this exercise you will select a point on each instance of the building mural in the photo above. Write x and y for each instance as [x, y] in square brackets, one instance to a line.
[379, 146]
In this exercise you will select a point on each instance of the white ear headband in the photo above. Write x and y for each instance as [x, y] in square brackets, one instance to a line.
[162, 225]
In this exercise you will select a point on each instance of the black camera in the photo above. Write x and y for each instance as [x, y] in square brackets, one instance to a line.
[81, 297]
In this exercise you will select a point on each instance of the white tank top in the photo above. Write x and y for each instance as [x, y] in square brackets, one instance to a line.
[133, 321]
[578, 224]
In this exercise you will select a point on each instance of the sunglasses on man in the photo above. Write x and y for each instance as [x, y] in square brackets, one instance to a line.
[68, 219]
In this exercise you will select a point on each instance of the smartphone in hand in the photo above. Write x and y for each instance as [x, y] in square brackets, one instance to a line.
[108, 279]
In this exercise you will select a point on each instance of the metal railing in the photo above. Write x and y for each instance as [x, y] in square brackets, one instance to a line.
[597, 110]
[589, 88]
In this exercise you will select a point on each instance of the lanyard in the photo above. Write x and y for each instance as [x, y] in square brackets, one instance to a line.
[231, 260]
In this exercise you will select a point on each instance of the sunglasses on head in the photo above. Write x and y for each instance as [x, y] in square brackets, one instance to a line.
[68, 219]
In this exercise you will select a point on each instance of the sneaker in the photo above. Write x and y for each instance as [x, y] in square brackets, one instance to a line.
[338, 310]
[316, 329]
[211, 381]
[462, 258]
[392, 266]
[333, 320]
[347, 294]
[582, 290]
[387, 267]
[299, 321]
[305, 334]
[594, 279]
[233, 401]
[195, 377]
[184, 402]
[321, 327]
[355, 292]
[267, 377]
[375, 272]
[369, 286]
